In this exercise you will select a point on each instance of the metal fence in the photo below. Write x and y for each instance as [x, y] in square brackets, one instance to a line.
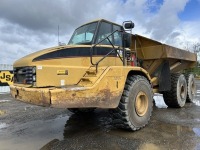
[6, 77]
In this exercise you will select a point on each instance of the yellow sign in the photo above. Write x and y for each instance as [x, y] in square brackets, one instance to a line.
[62, 72]
[6, 78]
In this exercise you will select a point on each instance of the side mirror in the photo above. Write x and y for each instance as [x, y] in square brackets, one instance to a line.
[128, 25]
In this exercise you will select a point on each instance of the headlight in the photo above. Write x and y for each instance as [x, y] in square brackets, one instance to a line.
[34, 78]
[34, 70]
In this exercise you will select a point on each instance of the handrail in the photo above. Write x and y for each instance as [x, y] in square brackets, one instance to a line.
[114, 49]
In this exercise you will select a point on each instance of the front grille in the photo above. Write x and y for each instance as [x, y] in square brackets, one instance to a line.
[24, 75]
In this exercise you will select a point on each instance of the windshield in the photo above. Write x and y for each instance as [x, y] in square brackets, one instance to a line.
[84, 34]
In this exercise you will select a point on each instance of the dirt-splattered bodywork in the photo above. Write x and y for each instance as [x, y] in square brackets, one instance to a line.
[104, 91]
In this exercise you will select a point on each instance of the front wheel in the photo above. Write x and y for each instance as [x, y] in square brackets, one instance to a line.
[135, 107]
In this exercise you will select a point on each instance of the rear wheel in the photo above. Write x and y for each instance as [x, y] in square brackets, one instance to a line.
[191, 87]
[135, 106]
[176, 97]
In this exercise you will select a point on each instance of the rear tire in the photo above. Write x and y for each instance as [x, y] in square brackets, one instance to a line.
[135, 107]
[191, 87]
[176, 97]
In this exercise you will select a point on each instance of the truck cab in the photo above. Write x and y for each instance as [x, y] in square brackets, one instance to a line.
[57, 66]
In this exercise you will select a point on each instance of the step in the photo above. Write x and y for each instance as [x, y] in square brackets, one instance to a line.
[91, 76]
[89, 79]
[91, 72]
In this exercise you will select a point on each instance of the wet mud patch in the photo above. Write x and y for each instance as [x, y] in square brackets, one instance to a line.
[92, 132]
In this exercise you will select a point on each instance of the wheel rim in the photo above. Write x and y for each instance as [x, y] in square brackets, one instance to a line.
[141, 104]
[192, 88]
[182, 92]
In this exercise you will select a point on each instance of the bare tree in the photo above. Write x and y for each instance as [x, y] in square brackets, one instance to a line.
[196, 48]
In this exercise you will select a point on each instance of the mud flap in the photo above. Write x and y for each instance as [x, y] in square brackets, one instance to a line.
[165, 77]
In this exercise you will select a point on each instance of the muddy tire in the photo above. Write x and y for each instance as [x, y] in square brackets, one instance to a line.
[176, 97]
[135, 106]
[81, 110]
[191, 87]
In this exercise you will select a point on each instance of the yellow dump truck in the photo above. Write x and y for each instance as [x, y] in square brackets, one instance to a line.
[104, 65]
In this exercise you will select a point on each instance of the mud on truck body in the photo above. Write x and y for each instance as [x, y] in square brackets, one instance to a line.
[105, 66]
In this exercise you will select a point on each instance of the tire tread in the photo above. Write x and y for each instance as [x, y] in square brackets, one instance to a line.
[120, 115]
[170, 97]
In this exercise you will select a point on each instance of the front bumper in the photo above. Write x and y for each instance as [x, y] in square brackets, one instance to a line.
[68, 97]
[40, 96]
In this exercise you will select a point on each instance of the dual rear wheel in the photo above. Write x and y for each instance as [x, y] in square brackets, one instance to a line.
[191, 87]
[182, 89]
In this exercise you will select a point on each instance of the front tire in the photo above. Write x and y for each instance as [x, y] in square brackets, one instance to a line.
[135, 107]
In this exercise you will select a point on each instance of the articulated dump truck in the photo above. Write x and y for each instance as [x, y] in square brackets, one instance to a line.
[105, 66]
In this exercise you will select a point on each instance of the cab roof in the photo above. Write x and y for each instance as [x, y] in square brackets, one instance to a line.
[99, 20]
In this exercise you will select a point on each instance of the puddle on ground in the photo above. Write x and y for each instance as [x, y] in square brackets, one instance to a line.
[3, 101]
[3, 125]
[197, 131]
[32, 135]
[96, 131]
[196, 102]
[159, 101]
[163, 136]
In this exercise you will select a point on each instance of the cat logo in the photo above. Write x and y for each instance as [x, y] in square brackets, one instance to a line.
[6, 78]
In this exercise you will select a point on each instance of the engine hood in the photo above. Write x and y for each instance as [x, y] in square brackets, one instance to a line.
[50, 53]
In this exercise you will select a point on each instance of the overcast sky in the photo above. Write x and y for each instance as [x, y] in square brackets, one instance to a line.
[27, 26]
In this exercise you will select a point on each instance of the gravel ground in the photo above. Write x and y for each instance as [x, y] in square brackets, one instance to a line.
[24, 126]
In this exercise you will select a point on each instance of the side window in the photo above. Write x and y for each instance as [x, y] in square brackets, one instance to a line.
[104, 31]
[117, 36]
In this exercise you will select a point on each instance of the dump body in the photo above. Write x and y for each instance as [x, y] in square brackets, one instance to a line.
[153, 53]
